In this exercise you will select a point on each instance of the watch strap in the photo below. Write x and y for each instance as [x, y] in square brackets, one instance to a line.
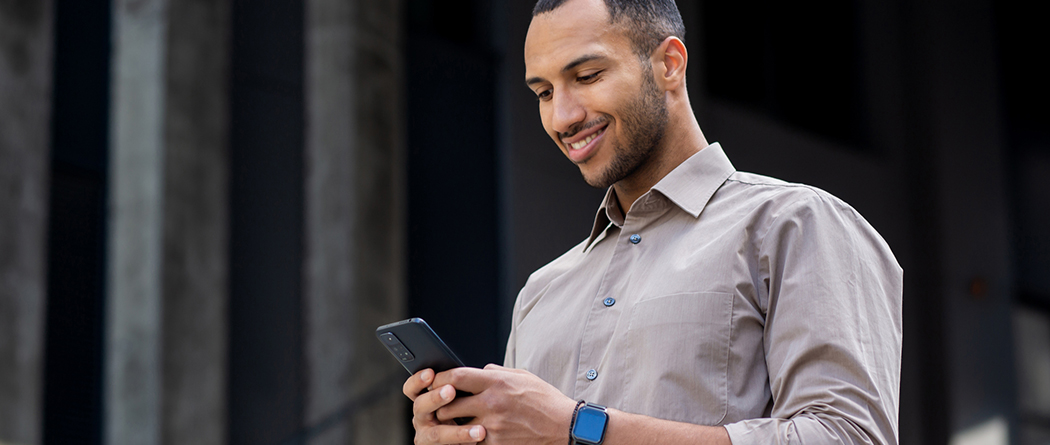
[572, 423]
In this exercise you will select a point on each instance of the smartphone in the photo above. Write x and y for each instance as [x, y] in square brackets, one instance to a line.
[416, 346]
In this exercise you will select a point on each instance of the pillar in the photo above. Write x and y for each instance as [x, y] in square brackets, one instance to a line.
[25, 98]
[353, 276]
[167, 274]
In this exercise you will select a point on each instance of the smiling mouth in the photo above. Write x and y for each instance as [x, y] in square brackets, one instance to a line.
[583, 142]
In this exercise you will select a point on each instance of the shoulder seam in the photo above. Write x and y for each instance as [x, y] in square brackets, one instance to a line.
[784, 184]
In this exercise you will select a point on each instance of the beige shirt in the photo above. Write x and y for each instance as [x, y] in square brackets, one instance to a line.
[724, 298]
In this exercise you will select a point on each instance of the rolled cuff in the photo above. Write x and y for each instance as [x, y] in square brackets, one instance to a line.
[803, 429]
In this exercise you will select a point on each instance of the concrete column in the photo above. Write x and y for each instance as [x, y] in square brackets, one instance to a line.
[25, 99]
[133, 329]
[354, 265]
[195, 220]
[166, 308]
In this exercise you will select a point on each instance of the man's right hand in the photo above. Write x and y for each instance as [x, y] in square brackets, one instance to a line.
[429, 430]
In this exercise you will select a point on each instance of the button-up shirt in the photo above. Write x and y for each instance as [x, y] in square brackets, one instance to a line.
[724, 298]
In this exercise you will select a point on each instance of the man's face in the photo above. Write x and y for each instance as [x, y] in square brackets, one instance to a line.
[597, 101]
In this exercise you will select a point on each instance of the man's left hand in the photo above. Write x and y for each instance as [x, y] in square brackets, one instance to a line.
[514, 406]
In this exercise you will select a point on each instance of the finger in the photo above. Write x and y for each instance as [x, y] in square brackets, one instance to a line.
[463, 408]
[472, 380]
[425, 405]
[495, 367]
[450, 434]
[417, 383]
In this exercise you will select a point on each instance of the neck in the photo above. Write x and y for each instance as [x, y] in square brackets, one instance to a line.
[683, 138]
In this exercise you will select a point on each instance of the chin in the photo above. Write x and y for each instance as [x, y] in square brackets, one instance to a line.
[596, 180]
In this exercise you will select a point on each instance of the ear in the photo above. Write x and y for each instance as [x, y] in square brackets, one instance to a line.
[669, 62]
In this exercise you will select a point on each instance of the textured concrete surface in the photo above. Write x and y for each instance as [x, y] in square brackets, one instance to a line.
[195, 222]
[380, 190]
[354, 265]
[166, 319]
[133, 318]
[25, 97]
[329, 262]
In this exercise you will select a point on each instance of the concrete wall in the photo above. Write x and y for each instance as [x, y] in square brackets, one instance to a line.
[133, 317]
[25, 100]
[195, 260]
[354, 254]
[166, 319]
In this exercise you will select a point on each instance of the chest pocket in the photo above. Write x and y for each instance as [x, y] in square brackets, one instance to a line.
[678, 357]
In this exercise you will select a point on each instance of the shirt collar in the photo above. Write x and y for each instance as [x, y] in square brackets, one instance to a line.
[689, 186]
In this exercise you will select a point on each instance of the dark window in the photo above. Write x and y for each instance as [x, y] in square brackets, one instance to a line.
[452, 184]
[799, 63]
[1022, 75]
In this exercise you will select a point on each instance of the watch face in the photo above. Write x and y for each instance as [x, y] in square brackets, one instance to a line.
[590, 425]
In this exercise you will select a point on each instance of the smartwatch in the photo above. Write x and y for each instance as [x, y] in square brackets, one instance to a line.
[589, 428]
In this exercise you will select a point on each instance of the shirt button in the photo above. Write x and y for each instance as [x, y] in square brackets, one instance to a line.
[609, 301]
[636, 238]
[592, 374]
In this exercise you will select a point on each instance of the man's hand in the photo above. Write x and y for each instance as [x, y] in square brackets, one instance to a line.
[509, 407]
[430, 430]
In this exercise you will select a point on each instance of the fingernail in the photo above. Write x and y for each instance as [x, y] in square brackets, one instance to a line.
[447, 392]
[425, 375]
[475, 432]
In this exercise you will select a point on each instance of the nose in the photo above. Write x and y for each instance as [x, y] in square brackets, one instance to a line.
[567, 113]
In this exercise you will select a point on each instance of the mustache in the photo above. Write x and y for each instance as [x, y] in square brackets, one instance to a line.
[580, 127]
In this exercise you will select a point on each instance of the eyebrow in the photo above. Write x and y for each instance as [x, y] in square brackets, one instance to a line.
[575, 62]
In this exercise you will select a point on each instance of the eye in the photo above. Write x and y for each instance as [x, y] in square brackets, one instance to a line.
[589, 77]
[543, 95]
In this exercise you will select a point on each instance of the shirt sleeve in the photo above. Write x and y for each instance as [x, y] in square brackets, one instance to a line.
[833, 329]
[509, 360]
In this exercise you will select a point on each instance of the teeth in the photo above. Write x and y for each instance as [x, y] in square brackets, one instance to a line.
[583, 142]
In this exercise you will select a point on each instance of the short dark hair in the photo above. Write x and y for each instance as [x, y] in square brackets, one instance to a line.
[647, 22]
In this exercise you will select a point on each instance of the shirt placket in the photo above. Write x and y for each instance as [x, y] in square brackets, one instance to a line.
[606, 309]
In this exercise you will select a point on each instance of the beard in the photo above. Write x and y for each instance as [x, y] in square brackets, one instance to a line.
[644, 121]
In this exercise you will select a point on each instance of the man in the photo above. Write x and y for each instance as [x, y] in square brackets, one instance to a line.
[707, 306]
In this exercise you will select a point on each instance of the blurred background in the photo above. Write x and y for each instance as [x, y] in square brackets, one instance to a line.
[207, 206]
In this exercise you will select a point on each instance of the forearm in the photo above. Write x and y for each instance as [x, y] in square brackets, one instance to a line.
[633, 429]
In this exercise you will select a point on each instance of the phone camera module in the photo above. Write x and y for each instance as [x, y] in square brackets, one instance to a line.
[396, 347]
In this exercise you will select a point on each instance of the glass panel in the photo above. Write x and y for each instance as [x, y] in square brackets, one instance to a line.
[1032, 337]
